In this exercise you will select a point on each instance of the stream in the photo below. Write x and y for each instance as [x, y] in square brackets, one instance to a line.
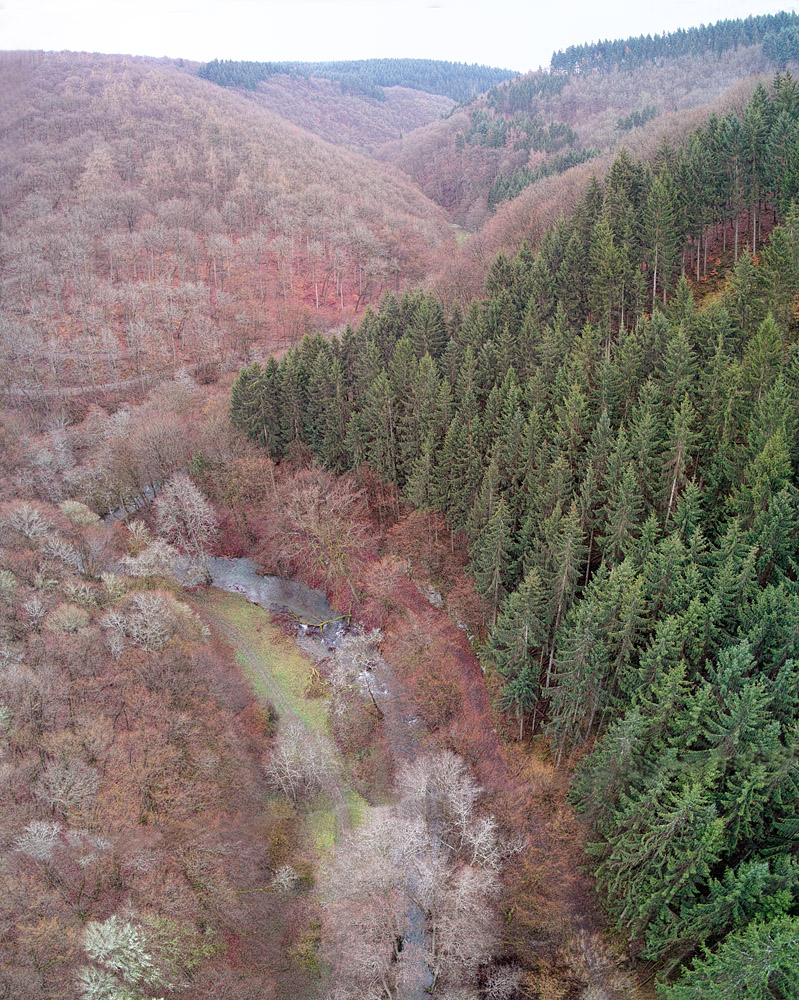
[318, 631]
[240, 576]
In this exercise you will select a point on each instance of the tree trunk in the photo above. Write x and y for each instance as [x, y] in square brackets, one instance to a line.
[754, 230]
[654, 280]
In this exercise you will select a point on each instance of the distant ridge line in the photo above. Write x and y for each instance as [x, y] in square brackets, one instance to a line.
[367, 77]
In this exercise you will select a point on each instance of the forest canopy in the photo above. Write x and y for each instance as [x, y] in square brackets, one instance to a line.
[460, 81]
[777, 33]
[622, 466]
[549, 482]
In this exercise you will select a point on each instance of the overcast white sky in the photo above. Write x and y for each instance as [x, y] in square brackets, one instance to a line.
[509, 33]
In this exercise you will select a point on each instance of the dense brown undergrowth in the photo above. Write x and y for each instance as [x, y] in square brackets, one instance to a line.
[389, 567]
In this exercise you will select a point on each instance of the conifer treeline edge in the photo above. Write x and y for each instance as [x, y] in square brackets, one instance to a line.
[623, 466]
[778, 33]
[460, 81]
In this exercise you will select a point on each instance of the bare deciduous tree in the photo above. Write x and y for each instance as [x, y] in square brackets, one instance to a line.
[35, 610]
[284, 879]
[503, 982]
[300, 764]
[152, 619]
[29, 521]
[157, 559]
[60, 550]
[152, 622]
[39, 839]
[66, 784]
[186, 519]
[123, 966]
[326, 525]
[356, 654]
[408, 895]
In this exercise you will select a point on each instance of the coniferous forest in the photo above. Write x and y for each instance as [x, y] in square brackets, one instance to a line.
[776, 32]
[366, 76]
[399, 525]
[621, 465]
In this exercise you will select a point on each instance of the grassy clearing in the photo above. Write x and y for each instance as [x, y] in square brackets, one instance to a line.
[319, 822]
[279, 672]
[357, 805]
[319, 826]
[272, 663]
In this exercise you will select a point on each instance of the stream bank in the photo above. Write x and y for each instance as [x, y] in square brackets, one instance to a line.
[318, 632]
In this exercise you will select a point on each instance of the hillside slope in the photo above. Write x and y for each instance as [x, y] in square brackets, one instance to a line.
[457, 80]
[623, 468]
[358, 104]
[534, 120]
[150, 217]
[349, 119]
[539, 205]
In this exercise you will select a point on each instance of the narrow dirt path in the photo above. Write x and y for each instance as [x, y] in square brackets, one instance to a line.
[142, 382]
[211, 611]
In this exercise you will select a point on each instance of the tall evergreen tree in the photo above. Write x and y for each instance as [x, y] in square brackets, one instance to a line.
[660, 232]
[491, 558]
[516, 645]
[760, 962]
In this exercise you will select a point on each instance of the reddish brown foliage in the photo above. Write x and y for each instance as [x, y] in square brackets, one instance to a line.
[546, 898]
[319, 528]
[131, 780]
[349, 119]
[153, 220]
[422, 540]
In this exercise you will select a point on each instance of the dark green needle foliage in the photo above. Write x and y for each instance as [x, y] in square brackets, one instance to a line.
[623, 467]
[366, 77]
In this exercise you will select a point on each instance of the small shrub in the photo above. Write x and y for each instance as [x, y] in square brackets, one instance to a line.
[306, 951]
[79, 514]
[8, 585]
[437, 698]
[66, 618]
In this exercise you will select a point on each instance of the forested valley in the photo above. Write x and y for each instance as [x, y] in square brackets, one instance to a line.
[532, 437]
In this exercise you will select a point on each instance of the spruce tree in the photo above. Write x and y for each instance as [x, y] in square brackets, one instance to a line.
[516, 646]
[491, 558]
[761, 962]
[660, 232]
